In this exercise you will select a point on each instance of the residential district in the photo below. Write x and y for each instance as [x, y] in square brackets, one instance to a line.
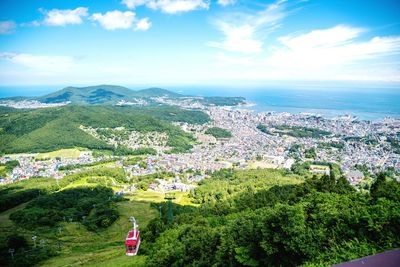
[258, 140]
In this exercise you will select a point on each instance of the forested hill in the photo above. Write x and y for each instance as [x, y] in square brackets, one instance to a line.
[54, 128]
[112, 94]
[101, 94]
[268, 218]
[240, 218]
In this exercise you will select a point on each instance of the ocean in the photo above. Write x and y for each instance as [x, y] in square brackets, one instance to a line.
[364, 103]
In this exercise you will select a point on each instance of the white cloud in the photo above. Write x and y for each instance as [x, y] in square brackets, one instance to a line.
[226, 2]
[7, 27]
[41, 63]
[336, 53]
[242, 31]
[238, 39]
[169, 6]
[143, 24]
[58, 17]
[133, 3]
[334, 46]
[322, 38]
[113, 20]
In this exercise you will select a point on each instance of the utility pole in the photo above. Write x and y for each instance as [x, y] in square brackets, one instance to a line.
[34, 240]
[11, 251]
[170, 215]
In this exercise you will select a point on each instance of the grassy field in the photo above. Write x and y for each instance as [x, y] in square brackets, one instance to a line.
[81, 247]
[2, 170]
[62, 153]
[263, 164]
[181, 198]
[5, 221]
[96, 249]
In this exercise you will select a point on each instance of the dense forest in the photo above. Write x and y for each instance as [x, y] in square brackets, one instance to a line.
[168, 113]
[319, 222]
[111, 94]
[94, 204]
[51, 129]
[237, 218]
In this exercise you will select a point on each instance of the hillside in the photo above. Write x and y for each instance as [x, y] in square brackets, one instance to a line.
[76, 243]
[156, 92]
[55, 128]
[241, 218]
[112, 94]
[101, 94]
[275, 218]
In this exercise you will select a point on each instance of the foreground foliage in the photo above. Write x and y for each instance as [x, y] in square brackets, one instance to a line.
[240, 218]
[92, 205]
[320, 222]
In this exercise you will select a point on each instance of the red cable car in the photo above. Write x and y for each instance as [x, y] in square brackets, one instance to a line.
[132, 241]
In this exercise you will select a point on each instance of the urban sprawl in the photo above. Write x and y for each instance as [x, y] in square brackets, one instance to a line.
[259, 140]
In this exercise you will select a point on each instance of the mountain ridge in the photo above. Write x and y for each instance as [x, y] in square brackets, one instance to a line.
[112, 94]
[98, 94]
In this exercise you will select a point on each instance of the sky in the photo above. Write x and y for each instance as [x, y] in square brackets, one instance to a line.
[198, 42]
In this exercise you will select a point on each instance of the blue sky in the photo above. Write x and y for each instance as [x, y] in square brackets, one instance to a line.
[198, 42]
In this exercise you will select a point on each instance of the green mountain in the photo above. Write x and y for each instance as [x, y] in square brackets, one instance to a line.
[156, 92]
[55, 128]
[100, 94]
[103, 94]
[111, 94]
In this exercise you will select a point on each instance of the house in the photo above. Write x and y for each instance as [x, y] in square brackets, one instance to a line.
[355, 176]
[320, 169]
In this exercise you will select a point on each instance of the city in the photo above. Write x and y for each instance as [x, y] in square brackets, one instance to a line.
[355, 143]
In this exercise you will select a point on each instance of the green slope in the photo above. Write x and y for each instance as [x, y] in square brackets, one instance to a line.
[156, 92]
[105, 248]
[111, 94]
[55, 135]
[55, 128]
[100, 94]
[79, 246]
[244, 218]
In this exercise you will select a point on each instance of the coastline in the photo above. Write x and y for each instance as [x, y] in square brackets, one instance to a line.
[369, 105]
[319, 112]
